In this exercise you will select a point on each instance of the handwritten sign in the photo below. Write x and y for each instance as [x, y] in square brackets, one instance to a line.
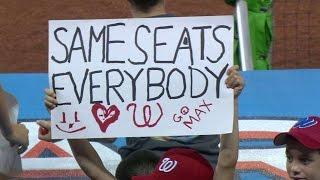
[141, 77]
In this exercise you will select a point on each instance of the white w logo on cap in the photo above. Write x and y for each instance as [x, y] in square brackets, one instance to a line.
[167, 165]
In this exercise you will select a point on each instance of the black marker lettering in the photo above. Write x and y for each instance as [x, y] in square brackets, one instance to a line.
[220, 42]
[81, 47]
[159, 84]
[192, 80]
[79, 96]
[218, 78]
[202, 38]
[53, 78]
[139, 47]
[184, 43]
[113, 42]
[114, 87]
[134, 85]
[64, 45]
[92, 86]
[97, 39]
[183, 81]
[156, 44]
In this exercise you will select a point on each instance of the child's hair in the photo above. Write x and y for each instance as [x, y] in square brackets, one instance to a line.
[142, 162]
[144, 5]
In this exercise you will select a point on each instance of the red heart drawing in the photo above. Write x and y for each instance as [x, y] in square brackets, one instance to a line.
[104, 116]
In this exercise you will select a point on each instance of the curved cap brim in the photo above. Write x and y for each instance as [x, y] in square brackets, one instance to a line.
[281, 139]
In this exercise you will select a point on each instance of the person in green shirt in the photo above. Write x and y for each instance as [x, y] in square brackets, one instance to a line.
[260, 25]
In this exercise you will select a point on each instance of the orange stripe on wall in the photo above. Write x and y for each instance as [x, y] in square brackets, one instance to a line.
[257, 134]
[253, 165]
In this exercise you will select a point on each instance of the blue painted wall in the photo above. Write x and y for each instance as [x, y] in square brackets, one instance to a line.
[281, 93]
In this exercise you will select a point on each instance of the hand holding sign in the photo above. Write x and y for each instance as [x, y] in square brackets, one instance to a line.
[235, 81]
[50, 100]
[44, 132]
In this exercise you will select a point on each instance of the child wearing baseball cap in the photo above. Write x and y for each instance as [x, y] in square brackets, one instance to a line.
[180, 163]
[302, 148]
[187, 164]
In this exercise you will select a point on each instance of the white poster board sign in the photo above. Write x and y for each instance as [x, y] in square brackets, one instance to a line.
[141, 77]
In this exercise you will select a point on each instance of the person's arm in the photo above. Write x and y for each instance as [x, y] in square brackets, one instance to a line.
[5, 125]
[228, 155]
[16, 134]
[89, 160]
[229, 143]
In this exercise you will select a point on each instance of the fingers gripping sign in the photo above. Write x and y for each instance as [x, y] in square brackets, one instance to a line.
[235, 81]
[44, 132]
[50, 100]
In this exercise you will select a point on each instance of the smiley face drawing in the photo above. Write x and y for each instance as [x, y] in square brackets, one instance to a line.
[70, 126]
[105, 116]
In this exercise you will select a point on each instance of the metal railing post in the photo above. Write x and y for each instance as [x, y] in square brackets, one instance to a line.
[244, 35]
